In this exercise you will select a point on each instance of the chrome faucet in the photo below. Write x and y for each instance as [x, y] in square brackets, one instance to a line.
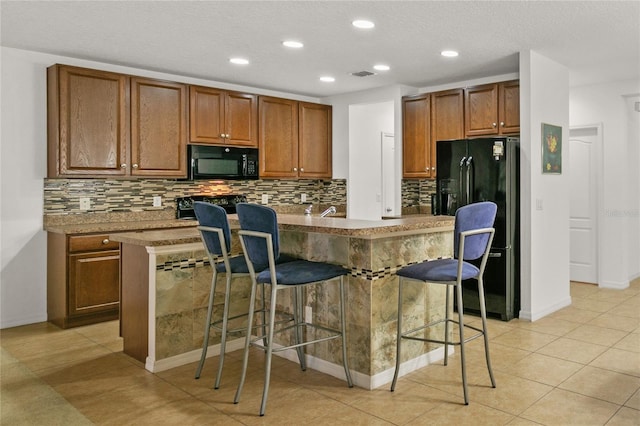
[330, 210]
[307, 211]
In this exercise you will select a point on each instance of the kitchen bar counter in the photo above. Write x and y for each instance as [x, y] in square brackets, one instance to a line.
[166, 278]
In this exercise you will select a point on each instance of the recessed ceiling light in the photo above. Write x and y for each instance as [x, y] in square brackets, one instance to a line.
[449, 53]
[293, 44]
[381, 67]
[327, 79]
[362, 23]
[239, 61]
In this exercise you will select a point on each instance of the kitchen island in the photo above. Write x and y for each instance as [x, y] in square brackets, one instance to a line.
[166, 277]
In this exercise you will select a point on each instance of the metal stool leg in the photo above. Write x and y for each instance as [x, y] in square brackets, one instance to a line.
[247, 341]
[298, 320]
[483, 314]
[461, 328]
[225, 325]
[267, 367]
[399, 335]
[446, 325]
[207, 325]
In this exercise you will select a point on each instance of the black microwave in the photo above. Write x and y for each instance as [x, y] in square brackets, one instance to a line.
[206, 162]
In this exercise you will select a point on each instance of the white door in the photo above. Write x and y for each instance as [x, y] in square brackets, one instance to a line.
[388, 174]
[583, 171]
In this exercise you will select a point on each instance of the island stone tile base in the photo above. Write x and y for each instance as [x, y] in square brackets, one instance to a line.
[180, 278]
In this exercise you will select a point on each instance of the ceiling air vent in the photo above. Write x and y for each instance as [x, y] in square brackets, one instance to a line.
[362, 74]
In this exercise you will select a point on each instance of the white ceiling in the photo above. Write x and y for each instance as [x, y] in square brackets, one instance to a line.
[597, 40]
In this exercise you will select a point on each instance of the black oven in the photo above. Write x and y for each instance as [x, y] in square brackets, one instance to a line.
[220, 162]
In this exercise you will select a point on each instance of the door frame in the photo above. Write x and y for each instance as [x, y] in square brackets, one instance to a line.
[599, 191]
[392, 162]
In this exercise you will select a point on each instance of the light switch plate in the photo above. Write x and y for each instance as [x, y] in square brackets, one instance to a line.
[265, 198]
[303, 198]
[157, 201]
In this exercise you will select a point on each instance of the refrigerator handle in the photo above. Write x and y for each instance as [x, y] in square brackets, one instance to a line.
[469, 164]
[462, 182]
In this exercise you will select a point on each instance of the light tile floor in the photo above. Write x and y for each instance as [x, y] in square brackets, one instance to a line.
[578, 366]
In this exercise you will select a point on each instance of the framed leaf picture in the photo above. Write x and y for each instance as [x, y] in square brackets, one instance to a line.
[551, 149]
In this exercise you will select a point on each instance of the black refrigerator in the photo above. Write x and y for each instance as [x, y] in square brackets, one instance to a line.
[486, 169]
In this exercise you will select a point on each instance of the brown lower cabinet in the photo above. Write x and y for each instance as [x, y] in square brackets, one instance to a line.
[83, 279]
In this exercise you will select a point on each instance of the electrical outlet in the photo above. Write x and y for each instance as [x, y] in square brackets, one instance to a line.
[308, 314]
[303, 198]
[157, 201]
[265, 198]
[85, 203]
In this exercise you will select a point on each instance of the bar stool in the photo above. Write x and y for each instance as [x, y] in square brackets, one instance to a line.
[216, 237]
[260, 242]
[473, 235]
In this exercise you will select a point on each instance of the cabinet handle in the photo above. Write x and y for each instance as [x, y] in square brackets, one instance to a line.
[502, 123]
[105, 241]
[433, 169]
[222, 135]
[135, 166]
[295, 169]
[227, 136]
[123, 166]
[493, 124]
[301, 169]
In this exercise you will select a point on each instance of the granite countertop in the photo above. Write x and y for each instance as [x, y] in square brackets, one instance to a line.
[369, 229]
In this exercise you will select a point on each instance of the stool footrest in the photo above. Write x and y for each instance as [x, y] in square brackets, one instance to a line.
[406, 334]
[336, 334]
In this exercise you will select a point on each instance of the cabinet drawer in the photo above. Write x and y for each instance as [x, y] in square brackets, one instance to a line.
[91, 242]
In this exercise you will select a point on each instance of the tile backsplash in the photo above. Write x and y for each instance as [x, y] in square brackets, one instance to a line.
[62, 196]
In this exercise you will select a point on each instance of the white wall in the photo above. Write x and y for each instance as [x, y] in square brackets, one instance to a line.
[22, 169]
[364, 184]
[612, 105]
[544, 98]
[357, 118]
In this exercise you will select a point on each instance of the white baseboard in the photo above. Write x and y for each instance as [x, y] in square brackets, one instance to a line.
[618, 285]
[335, 370]
[534, 316]
[16, 322]
[188, 357]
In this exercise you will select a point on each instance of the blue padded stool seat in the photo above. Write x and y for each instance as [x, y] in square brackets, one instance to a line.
[238, 264]
[302, 272]
[439, 270]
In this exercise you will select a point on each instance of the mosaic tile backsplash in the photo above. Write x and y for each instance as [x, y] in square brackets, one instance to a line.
[62, 196]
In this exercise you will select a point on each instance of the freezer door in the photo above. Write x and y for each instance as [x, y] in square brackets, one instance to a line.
[489, 180]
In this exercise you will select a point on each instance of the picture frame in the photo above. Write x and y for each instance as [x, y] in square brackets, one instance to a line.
[551, 149]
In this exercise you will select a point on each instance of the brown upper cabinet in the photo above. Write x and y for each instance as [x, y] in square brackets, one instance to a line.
[221, 117]
[426, 119]
[294, 139]
[103, 124]
[88, 122]
[158, 128]
[416, 136]
[492, 109]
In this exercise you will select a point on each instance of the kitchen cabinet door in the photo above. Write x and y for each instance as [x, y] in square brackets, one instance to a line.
[278, 137]
[158, 128]
[509, 103]
[416, 137]
[314, 133]
[83, 279]
[481, 110]
[447, 120]
[93, 282]
[88, 122]
[223, 118]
